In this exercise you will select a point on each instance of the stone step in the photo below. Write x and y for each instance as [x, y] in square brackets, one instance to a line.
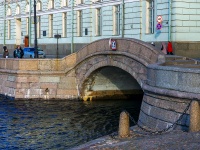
[180, 62]
[188, 66]
[173, 60]
[175, 57]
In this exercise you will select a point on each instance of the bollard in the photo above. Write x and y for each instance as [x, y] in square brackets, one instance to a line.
[124, 126]
[194, 117]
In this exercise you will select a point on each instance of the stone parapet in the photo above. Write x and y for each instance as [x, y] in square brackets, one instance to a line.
[63, 64]
[183, 79]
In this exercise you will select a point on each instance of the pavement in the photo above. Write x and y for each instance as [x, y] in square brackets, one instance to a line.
[139, 140]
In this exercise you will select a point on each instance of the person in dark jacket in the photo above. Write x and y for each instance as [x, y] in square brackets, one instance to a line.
[18, 52]
[5, 53]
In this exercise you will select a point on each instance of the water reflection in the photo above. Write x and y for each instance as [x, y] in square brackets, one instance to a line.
[57, 124]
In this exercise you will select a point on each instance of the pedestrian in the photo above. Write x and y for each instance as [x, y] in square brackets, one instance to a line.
[18, 52]
[164, 48]
[169, 49]
[5, 52]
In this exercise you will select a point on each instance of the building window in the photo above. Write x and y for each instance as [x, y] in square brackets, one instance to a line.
[39, 5]
[9, 13]
[98, 22]
[116, 20]
[17, 10]
[9, 29]
[150, 16]
[78, 2]
[50, 25]
[38, 26]
[64, 3]
[94, 1]
[64, 24]
[79, 23]
[51, 4]
[27, 26]
[27, 8]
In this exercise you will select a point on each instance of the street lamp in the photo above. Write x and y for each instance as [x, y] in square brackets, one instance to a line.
[35, 28]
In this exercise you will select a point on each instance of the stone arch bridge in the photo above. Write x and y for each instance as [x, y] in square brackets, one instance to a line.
[168, 83]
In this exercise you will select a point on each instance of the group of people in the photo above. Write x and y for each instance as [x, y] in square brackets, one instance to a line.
[166, 49]
[18, 52]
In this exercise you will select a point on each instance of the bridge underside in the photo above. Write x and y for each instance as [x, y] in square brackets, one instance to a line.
[110, 83]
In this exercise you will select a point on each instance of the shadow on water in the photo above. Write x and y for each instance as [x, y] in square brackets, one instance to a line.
[60, 124]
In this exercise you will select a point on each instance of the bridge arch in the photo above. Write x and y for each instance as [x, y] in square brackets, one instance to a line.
[133, 56]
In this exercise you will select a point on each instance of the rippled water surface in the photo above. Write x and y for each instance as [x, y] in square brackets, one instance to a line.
[56, 124]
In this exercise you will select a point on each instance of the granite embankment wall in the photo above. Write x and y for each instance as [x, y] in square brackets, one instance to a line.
[38, 78]
[169, 89]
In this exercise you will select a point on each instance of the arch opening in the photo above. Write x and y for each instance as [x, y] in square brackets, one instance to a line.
[113, 84]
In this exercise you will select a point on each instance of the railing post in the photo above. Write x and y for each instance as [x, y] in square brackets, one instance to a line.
[194, 117]
[124, 126]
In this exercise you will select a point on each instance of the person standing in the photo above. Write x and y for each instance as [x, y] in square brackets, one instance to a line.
[170, 49]
[164, 48]
[18, 52]
[5, 52]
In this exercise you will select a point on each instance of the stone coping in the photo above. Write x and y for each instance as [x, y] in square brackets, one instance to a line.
[170, 92]
[159, 66]
[178, 63]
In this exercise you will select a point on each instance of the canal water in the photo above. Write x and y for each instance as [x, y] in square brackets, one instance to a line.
[59, 124]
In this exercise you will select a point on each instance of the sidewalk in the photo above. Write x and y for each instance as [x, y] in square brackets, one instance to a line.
[174, 140]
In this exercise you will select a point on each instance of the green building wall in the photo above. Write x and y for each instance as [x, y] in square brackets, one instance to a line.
[181, 24]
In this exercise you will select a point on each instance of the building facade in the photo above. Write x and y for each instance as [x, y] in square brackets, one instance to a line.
[80, 22]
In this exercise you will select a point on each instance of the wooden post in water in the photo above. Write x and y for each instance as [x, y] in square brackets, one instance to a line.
[194, 117]
[124, 126]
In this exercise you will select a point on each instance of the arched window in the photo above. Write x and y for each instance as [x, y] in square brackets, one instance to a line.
[9, 12]
[17, 10]
[51, 4]
[39, 5]
[64, 3]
